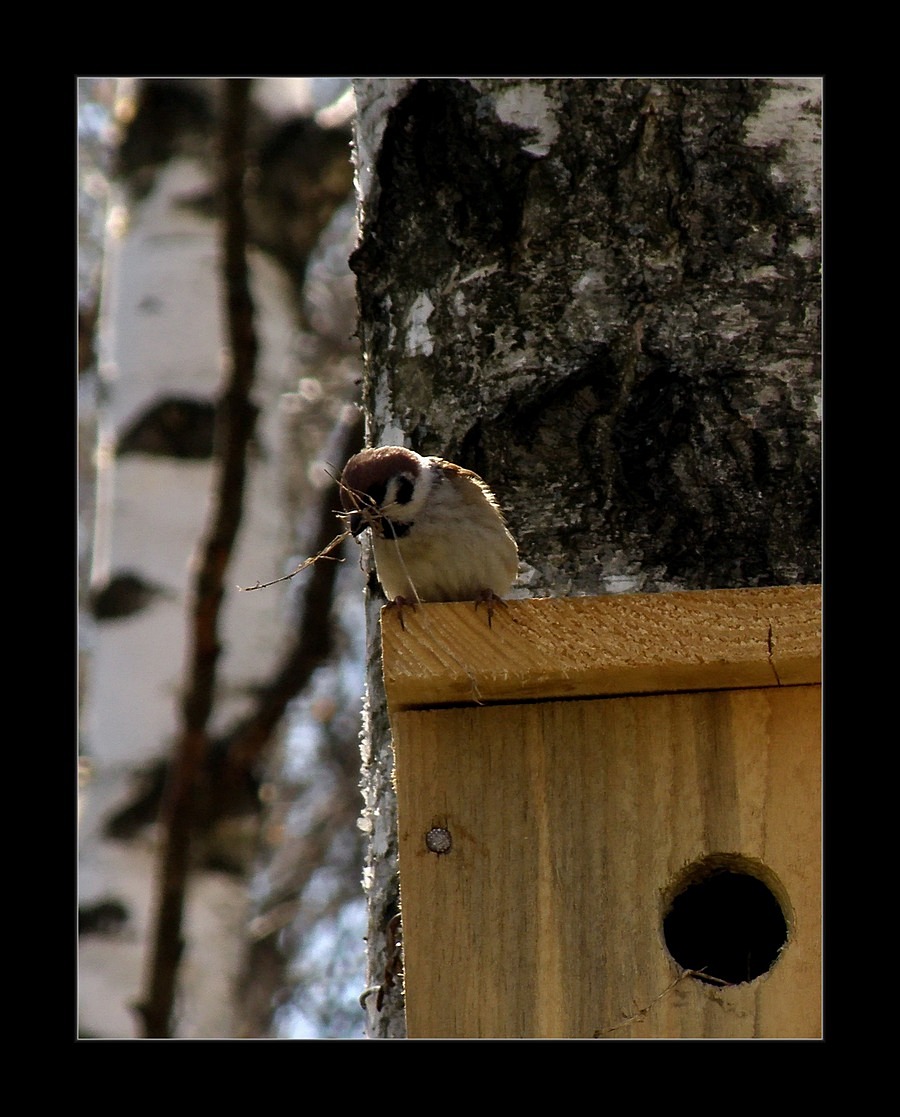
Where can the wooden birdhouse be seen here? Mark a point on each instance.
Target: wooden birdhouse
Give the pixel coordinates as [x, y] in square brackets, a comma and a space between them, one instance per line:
[609, 815]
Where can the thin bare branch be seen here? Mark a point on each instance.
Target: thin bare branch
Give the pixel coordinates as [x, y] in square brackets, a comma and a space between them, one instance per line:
[235, 422]
[325, 553]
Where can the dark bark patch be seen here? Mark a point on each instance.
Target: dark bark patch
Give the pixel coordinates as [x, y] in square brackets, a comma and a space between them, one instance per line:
[469, 184]
[705, 487]
[175, 427]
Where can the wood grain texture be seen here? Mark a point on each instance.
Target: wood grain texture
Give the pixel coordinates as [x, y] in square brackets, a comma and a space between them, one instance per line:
[571, 823]
[585, 646]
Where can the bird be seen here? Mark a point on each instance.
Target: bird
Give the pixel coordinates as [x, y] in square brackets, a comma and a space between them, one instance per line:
[438, 533]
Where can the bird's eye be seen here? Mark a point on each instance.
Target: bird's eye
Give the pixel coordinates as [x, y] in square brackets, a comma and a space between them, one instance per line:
[377, 493]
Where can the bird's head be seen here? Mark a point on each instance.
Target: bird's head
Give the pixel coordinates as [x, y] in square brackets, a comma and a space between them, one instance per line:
[385, 488]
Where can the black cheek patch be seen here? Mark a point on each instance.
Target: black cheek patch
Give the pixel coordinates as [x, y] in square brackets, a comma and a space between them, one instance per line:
[404, 489]
[391, 530]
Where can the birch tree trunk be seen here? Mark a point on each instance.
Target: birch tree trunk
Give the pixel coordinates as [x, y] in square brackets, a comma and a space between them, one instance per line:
[603, 296]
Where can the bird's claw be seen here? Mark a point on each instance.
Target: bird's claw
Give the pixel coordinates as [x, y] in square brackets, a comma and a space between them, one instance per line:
[401, 603]
[489, 599]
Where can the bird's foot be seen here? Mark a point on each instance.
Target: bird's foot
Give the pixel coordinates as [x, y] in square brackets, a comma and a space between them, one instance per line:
[401, 603]
[490, 600]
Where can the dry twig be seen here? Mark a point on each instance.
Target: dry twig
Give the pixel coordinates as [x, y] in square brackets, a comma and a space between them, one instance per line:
[324, 553]
[643, 1012]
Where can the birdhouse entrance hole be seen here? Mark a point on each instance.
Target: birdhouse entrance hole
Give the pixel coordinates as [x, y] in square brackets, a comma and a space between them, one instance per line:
[725, 921]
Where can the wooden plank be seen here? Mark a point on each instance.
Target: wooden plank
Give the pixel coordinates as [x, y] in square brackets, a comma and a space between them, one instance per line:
[584, 646]
[570, 823]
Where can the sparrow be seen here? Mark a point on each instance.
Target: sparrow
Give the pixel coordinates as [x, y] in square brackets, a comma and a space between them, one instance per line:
[437, 530]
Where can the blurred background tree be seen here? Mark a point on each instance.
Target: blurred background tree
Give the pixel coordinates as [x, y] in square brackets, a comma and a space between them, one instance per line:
[220, 853]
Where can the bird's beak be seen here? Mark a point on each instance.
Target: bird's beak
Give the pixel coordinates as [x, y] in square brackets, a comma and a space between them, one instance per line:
[358, 523]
